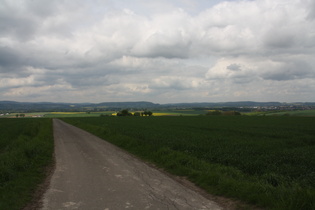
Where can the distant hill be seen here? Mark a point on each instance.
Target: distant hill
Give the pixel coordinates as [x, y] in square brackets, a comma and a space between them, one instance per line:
[13, 106]
[140, 105]
[225, 104]
[50, 106]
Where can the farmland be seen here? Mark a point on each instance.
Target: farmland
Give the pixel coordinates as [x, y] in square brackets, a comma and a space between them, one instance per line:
[104, 113]
[158, 112]
[265, 161]
[26, 147]
[295, 113]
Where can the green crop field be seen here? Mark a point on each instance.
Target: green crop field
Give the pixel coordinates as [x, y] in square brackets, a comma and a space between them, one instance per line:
[295, 113]
[265, 161]
[26, 148]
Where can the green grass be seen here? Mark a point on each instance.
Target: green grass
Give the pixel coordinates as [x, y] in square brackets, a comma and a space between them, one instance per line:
[305, 113]
[295, 113]
[26, 147]
[179, 112]
[76, 114]
[265, 161]
[58, 114]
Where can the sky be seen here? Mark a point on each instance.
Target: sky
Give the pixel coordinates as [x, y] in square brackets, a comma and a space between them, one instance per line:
[162, 51]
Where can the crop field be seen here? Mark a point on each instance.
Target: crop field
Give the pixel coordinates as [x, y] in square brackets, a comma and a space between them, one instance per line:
[264, 161]
[175, 112]
[26, 148]
[180, 112]
[296, 113]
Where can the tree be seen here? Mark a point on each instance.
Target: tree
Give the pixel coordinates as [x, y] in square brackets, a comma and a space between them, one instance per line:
[231, 113]
[124, 112]
[147, 113]
[215, 112]
[137, 114]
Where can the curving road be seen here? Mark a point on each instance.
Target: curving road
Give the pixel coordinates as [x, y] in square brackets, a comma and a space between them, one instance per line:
[93, 174]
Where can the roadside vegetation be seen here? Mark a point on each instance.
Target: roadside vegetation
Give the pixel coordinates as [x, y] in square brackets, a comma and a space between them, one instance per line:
[264, 161]
[26, 148]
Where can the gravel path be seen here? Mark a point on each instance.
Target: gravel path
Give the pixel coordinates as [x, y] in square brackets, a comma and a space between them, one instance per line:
[93, 174]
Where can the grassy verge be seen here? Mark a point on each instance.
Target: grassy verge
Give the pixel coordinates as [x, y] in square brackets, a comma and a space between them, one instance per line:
[265, 161]
[26, 148]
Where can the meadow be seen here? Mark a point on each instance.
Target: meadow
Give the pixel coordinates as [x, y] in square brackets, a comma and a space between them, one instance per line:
[26, 148]
[264, 161]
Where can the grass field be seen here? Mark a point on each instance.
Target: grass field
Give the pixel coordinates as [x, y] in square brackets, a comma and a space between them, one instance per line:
[306, 113]
[181, 112]
[295, 113]
[26, 147]
[265, 161]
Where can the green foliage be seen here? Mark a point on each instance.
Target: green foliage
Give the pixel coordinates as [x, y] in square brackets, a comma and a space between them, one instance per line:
[267, 161]
[147, 113]
[214, 112]
[137, 114]
[26, 148]
[218, 112]
[124, 112]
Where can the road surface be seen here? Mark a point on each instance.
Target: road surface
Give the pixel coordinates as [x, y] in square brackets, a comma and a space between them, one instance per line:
[93, 174]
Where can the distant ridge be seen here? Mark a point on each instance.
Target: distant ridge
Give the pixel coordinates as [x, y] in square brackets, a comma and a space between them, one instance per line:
[52, 106]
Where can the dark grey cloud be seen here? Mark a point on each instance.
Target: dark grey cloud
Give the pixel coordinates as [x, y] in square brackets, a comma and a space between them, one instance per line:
[16, 21]
[292, 70]
[234, 67]
[9, 58]
[280, 39]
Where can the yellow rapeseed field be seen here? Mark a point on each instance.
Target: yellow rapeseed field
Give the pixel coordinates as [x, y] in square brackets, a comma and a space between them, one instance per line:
[67, 112]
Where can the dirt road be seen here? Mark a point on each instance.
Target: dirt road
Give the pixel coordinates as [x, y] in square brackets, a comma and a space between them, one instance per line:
[93, 174]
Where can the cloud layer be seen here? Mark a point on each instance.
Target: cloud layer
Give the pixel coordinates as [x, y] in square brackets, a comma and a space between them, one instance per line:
[162, 51]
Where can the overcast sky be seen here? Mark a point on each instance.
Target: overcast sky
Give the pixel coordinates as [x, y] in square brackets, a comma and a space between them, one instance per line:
[163, 51]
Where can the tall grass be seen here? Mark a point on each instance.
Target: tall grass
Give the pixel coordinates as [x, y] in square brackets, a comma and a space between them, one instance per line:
[26, 147]
[266, 161]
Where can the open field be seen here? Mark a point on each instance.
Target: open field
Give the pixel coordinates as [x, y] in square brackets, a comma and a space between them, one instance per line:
[180, 112]
[26, 147]
[295, 113]
[109, 113]
[306, 113]
[266, 161]
[57, 114]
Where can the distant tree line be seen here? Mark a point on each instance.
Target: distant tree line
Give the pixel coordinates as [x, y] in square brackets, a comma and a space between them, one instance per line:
[20, 115]
[226, 113]
[125, 112]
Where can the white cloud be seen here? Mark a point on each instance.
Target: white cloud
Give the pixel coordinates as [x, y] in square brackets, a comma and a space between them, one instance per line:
[157, 50]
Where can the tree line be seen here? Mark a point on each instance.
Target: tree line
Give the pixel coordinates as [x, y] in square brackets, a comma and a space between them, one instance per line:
[125, 112]
[217, 112]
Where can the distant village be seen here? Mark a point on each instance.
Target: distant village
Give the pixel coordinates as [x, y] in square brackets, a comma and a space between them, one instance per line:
[280, 108]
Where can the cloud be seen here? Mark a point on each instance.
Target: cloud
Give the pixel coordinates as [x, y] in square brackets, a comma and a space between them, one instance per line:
[9, 58]
[252, 69]
[157, 50]
[234, 67]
